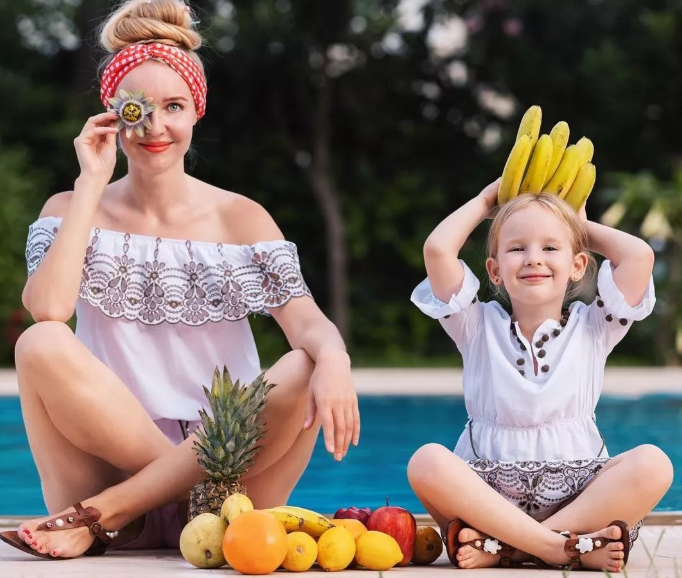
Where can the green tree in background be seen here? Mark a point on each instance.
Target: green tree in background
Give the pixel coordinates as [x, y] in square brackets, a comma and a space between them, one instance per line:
[361, 124]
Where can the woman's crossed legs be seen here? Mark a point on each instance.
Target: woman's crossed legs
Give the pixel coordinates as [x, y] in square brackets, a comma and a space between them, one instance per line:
[93, 442]
[627, 488]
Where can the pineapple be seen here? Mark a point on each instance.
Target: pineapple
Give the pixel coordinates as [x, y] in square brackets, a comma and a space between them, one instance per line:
[226, 443]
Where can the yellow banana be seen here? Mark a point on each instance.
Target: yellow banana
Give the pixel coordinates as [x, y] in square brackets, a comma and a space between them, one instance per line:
[530, 124]
[538, 167]
[564, 176]
[514, 169]
[299, 519]
[234, 505]
[559, 135]
[582, 186]
[586, 149]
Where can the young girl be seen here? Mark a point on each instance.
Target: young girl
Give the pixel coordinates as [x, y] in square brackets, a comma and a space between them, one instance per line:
[531, 459]
[162, 270]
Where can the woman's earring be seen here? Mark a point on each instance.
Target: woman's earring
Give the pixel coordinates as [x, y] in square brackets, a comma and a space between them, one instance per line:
[575, 278]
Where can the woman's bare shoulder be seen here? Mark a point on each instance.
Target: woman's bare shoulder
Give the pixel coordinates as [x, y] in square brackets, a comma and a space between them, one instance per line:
[57, 205]
[247, 221]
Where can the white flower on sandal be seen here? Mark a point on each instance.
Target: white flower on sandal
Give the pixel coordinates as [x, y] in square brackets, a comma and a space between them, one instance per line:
[491, 546]
[585, 545]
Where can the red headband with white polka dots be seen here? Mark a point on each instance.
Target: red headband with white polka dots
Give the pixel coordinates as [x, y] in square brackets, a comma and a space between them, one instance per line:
[135, 54]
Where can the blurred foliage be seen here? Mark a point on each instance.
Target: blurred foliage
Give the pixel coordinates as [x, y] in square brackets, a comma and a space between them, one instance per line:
[426, 96]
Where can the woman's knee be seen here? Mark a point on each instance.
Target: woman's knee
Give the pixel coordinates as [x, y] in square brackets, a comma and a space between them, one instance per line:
[653, 467]
[294, 369]
[41, 342]
[424, 465]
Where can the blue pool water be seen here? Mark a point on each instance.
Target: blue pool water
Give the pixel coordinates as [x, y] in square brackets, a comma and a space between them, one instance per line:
[392, 429]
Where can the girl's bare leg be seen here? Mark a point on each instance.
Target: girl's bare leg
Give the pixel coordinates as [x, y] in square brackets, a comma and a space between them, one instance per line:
[170, 475]
[627, 488]
[453, 490]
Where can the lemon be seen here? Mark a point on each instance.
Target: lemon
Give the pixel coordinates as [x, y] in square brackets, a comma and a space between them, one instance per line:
[335, 549]
[377, 551]
[302, 552]
[233, 506]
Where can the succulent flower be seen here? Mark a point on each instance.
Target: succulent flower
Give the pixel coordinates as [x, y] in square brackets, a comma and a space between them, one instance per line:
[133, 110]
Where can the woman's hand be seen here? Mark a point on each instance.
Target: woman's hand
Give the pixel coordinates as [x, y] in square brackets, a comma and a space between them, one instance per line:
[96, 146]
[333, 397]
[489, 197]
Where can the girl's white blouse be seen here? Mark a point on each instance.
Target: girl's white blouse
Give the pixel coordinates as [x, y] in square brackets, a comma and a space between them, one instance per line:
[549, 416]
[162, 314]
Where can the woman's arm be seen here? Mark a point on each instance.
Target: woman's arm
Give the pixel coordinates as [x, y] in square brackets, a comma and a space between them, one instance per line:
[631, 257]
[442, 246]
[51, 293]
[334, 400]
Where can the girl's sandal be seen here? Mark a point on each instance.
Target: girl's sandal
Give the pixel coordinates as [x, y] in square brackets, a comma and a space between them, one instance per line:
[575, 547]
[82, 517]
[484, 544]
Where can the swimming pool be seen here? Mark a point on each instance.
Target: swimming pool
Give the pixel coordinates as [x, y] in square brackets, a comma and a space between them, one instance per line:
[392, 429]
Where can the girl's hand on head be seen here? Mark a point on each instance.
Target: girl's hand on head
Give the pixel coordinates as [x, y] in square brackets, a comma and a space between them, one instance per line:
[334, 402]
[489, 196]
[96, 147]
[582, 214]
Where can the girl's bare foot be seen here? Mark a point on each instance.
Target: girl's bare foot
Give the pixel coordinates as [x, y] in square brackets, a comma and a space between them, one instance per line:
[469, 557]
[609, 557]
[59, 543]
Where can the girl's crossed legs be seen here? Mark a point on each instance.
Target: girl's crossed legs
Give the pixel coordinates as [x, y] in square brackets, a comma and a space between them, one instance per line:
[627, 488]
[91, 437]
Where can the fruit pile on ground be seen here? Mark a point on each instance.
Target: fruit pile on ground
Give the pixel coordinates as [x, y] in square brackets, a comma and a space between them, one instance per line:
[261, 541]
[547, 163]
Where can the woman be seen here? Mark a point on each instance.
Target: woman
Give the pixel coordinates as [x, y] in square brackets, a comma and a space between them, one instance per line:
[162, 270]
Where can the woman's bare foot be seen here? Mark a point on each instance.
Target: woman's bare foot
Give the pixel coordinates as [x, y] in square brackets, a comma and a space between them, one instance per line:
[609, 557]
[59, 543]
[469, 557]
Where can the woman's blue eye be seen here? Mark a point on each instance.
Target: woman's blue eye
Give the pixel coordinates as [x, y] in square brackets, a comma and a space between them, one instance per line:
[174, 107]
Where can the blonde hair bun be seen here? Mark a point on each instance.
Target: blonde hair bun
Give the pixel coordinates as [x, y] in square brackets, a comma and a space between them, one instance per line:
[138, 21]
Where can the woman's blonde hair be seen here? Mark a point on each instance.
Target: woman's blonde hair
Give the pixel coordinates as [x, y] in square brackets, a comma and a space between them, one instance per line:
[144, 21]
[567, 215]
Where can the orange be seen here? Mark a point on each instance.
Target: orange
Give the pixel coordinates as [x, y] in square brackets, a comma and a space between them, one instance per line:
[255, 543]
[355, 527]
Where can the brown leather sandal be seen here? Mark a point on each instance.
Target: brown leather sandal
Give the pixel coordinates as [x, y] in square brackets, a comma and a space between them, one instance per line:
[82, 517]
[483, 544]
[576, 546]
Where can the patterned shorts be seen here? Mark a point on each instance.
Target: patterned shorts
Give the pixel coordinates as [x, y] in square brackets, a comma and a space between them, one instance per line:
[541, 488]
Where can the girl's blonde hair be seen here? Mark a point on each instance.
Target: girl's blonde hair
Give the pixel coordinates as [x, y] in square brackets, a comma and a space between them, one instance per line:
[567, 215]
[144, 21]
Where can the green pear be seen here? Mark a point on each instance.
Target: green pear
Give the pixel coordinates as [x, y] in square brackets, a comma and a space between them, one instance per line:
[201, 541]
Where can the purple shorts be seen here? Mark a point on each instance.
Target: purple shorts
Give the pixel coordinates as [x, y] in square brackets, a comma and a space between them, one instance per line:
[162, 526]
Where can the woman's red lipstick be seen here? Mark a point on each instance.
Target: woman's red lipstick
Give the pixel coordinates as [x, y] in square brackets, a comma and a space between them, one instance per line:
[155, 147]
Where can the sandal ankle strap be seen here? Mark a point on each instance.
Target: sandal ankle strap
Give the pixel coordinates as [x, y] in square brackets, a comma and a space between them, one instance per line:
[82, 517]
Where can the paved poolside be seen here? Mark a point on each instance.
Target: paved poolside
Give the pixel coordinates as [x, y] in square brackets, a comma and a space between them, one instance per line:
[625, 381]
[665, 562]
[663, 559]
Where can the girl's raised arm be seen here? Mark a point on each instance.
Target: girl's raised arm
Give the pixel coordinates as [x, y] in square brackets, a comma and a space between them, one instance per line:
[442, 246]
[632, 258]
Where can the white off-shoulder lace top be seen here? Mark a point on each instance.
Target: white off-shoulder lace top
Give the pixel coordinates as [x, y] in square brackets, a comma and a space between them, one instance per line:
[164, 313]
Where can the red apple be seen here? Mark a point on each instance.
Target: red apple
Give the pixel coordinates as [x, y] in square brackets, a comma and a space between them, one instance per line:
[354, 513]
[400, 524]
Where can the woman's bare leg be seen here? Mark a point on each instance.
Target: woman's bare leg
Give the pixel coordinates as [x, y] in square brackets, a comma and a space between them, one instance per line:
[627, 488]
[453, 490]
[84, 426]
[172, 475]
